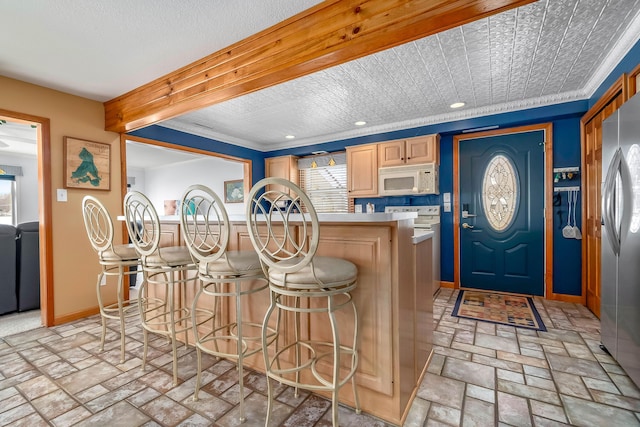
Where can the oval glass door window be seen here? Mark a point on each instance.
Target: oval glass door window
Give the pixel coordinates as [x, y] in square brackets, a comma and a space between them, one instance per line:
[633, 159]
[500, 192]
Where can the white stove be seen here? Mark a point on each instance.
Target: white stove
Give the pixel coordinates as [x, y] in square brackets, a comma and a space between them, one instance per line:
[428, 216]
[428, 220]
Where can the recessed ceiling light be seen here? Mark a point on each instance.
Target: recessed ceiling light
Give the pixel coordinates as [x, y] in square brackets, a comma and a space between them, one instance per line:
[457, 105]
[360, 123]
[290, 136]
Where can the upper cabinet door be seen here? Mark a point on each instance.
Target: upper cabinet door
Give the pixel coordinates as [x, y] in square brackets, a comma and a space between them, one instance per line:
[362, 171]
[281, 167]
[391, 153]
[421, 149]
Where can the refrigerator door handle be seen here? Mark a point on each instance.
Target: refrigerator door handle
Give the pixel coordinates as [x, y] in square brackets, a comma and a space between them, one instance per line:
[608, 208]
[627, 199]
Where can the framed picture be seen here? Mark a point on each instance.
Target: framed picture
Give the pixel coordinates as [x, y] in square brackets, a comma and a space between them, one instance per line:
[234, 191]
[87, 164]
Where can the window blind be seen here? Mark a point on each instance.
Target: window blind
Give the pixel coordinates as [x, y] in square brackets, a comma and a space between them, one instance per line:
[10, 170]
[324, 179]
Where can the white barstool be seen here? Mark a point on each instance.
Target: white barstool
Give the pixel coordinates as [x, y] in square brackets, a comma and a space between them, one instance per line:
[116, 260]
[225, 275]
[302, 283]
[165, 269]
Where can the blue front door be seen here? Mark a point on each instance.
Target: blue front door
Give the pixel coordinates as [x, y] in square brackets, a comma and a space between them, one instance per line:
[502, 213]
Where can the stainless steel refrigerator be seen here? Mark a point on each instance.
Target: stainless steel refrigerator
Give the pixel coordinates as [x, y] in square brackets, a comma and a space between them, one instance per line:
[620, 281]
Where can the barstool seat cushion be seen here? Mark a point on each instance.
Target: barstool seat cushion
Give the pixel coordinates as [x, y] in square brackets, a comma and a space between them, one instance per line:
[120, 253]
[331, 272]
[241, 263]
[169, 256]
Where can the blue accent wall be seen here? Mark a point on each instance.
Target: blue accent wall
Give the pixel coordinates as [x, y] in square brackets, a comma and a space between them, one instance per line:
[566, 152]
[567, 253]
[628, 63]
[160, 133]
[564, 117]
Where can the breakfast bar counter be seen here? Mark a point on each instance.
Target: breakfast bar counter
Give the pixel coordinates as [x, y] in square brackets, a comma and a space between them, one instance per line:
[393, 297]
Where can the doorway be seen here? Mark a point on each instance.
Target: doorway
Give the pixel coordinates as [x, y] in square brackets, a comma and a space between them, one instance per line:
[503, 238]
[44, 211]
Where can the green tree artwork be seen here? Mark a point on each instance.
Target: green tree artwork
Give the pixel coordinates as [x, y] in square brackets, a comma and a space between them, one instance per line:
[87, 171]
[87, 164]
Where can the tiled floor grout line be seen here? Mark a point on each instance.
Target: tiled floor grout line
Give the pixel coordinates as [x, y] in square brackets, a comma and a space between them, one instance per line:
[93, 351]
[547, 378]
[546, 319]
[571, 327]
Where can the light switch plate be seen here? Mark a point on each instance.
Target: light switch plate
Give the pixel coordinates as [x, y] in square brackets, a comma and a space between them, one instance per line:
[62, 195]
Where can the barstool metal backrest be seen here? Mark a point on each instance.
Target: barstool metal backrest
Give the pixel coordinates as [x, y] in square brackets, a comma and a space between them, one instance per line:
[271, 205]
[205, 224]
[143, 223]
[98, 224]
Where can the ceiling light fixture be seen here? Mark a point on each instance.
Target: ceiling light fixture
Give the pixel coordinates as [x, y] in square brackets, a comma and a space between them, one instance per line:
[360, 123]
[457, 105]
[290, 136]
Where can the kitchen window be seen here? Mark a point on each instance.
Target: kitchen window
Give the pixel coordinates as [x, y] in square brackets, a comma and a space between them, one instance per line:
[8, 199]
[324, 179]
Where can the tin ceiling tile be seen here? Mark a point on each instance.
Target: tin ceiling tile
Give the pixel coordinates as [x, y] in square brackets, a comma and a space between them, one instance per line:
[542, 53]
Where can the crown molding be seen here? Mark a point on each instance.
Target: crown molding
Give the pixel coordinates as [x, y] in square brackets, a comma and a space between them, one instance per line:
[389, 127]
[629, 38]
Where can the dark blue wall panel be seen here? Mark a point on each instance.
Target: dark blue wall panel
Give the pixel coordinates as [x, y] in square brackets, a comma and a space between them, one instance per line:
[566, 152]
[628, 63]
[567, 253]
[160, 133]
[566, 128]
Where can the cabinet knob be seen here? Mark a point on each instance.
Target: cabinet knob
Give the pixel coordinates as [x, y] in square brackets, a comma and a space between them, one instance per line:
[408, 158]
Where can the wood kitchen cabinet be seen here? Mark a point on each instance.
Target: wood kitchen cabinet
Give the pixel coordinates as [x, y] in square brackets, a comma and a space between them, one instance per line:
[362, 171]
[169, 233]
[281, 167]
[421, 149]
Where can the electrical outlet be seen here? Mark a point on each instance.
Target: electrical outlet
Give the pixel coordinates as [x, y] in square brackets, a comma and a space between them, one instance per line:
[103, 281]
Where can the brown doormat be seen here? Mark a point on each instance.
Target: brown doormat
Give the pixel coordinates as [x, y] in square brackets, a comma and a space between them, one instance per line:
[503, 309]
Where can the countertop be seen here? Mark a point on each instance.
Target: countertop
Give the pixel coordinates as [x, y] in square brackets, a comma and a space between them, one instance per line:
[422, 237]
[327, 217]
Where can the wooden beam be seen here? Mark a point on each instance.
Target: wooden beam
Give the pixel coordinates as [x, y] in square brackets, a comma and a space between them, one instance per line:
[330, 33]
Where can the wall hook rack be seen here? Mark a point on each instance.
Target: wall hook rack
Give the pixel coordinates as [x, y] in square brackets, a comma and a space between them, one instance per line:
[571, 188]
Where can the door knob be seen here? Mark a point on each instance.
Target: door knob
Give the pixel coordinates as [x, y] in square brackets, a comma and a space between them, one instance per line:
[465, 225]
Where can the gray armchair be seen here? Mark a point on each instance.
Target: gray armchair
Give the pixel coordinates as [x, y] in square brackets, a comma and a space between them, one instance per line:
[28, 272]
[8, 263]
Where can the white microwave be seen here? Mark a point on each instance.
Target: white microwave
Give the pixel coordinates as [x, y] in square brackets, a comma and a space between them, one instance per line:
[408, 180]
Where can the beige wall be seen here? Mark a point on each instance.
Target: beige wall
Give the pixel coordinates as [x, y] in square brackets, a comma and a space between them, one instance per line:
[74, 263]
